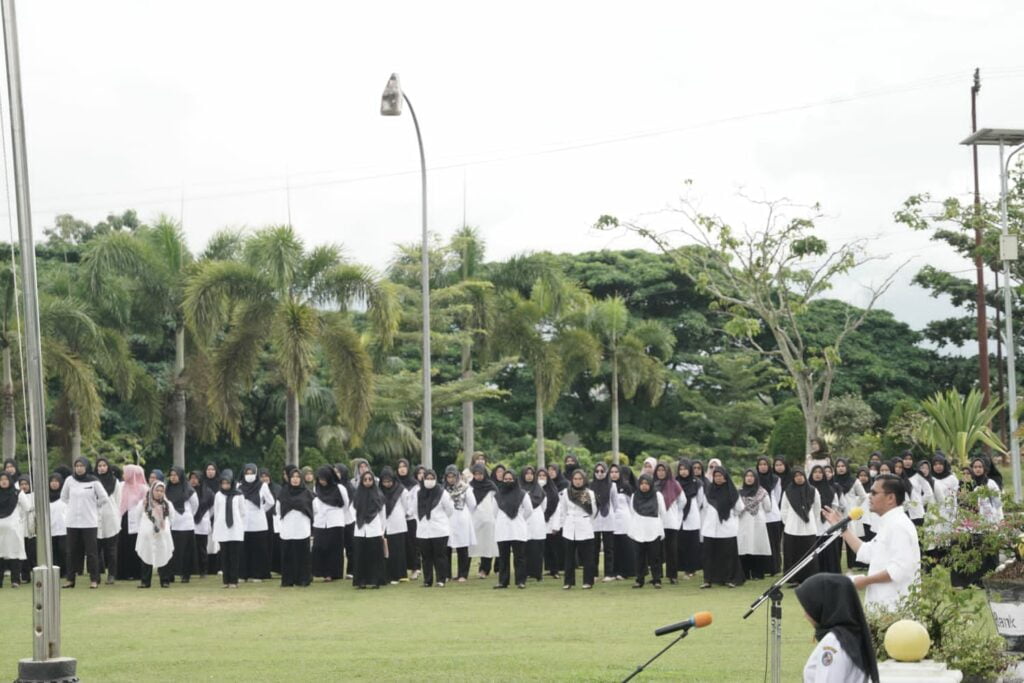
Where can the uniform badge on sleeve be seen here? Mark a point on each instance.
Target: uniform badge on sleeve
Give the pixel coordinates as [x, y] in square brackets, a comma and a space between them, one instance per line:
[827, 655]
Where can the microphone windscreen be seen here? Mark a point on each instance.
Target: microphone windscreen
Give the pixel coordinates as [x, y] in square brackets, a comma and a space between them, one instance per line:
[856, 513]
[701, 619]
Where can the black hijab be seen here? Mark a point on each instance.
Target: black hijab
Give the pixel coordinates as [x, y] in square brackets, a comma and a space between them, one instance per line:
[551, 491]
[800, 496]
[17, 472]
[993, 472]
[178, 494]
[571, 467]
[8, 496]
[495, 477]
[622, 484]
[510, 496]
[646, 504]
[298, 498]
[832, 602]
[824, 487]
[205, 497]
[844, 481]
[580, 495]
[722, 496]
[83, 478]
[330, 494]
[211, 483]
[602, 489]
[766, 481]
[926, 477]
[484, 486]
[108, 479]
[786, 475]
[532, 488]
[408, 481]
[251, 491]
[701, 478]
[231, 492]
[55, 495]
[368, 501]
[393, 494]
[940, 457]
[981, 481]
[426, 498]
[560, 481]
[691, 485]
[342, 475]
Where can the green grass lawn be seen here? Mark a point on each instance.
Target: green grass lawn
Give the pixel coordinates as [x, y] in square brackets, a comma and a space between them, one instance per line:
[262, 632]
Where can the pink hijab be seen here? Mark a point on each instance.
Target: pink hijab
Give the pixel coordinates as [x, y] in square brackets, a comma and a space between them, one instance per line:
[134, 488]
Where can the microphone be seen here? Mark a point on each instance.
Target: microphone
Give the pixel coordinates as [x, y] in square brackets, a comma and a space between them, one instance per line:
[855, 514]
[699, 620]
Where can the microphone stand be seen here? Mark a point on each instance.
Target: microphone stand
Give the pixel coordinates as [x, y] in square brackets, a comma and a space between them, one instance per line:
[663, 651]
[774, 593]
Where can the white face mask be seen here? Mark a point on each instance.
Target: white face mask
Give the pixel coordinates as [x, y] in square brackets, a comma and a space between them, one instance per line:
[542, 482]
[429, 483]
[250, 478]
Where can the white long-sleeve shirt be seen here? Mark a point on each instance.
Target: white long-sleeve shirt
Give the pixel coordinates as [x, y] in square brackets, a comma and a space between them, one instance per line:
[110, 514]
[713, 527]
[222, 533]
[621, 511]
[536, 526]
[830, 664]
[921, 496]
[83, 500]
[692, 519]
[397, 522]
[894, 549]
[185, 521]
[372, 529]
[58, 522]
[256, 515]
[295, 526]
[946, 490]
[794, 525]
[330, 516]
[672, 518]
[513, 528]
[991, 507]
[437, 525]
[775, 513]
[576, 524]
[607, 522]
[643, 529]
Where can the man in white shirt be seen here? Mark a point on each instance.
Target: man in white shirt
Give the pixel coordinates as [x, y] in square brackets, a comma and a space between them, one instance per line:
[894, 555]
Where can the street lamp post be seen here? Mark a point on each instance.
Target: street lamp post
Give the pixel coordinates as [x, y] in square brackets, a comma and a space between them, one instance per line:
[391, 105]
[1007, 254]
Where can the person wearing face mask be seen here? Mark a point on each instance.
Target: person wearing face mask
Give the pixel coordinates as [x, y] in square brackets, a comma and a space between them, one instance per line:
[258, 501]
[58, 524]
[461, 536]
[85, 497]
[604, 521]
[511, 531]
[433, 508]
[482, 508]
[577, 507]
[154, 544]
[533, 483]
[229, 510]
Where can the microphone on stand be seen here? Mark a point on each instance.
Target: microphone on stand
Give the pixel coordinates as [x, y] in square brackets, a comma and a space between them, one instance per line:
[698, 620]
[855, 514]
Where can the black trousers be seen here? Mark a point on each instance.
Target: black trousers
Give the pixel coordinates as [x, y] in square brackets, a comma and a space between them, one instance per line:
[296, 569]
[554, 553]
[30, 560]
[535, 558]
[396, 561]
[510, 552]
[485, 564]
[368, 569]
[670, 551]
[107, 548]
[329, 552]
[793, 548]
[648, 556]
[184, 556]
[230, 561]
[605, 540]
[146, 574]
[83, 541]
[462, 569]
[586, 553]
[59, 547]
[202, 557]
[755, 566]
[775, 541]
[689, 551]
[434, 556]
[412, 551]
[14, 566]
[625, 556]
[256, 559]
[350, 534]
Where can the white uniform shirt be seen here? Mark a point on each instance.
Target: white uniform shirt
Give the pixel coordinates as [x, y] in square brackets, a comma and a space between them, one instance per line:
[397, 522]
[28, 518]
[12, 536]
[185, 521]
[256, 515]
[621, 511]
[236, 532]
[775, 513]
[991, 507]
[921, 496]
[692, 519]
[372, 529]
[576, 524]
[752, 537]
[794, 524]
[513, 528]
[536, 526]
[482, 514]
[945, 491]
[437, 525]
[644, 529]
[673, 514]
[329, 516]
[83, 500]
[829, 664]
[110, 514]
[461, 523]
[295, 526]
[607, 522]
[58, 523]
[713, 527]
[154, 547]
[894, 549]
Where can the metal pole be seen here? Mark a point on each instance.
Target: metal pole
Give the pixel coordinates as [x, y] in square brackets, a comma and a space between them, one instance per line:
[979, 266]
[426, 454]
[1011, 372]
[46, 661]
[1001, 415]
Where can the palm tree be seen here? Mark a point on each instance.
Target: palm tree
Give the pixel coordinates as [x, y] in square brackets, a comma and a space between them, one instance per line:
[540, 329]
[636, 353]
[277, 297]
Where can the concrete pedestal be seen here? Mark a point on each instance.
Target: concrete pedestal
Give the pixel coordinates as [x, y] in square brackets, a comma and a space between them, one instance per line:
[927, 671]
[58, 670]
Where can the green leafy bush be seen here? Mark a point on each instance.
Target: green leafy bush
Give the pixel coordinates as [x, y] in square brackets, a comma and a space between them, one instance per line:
[788, 437]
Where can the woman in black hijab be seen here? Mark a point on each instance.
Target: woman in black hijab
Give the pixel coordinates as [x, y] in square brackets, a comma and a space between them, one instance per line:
[295, 515]
[625, 547]
[689, 546]
[368, 539]
[772, 483]
[720, 528]
[535, 524]
[184, 505]
[801, 508]
[330, 513]
[408, 481]
[110, 519]
[257, 501]
[433, 507]
[396, 527]
[555, 475]
[210, 479]
[350, 527]
[58, 529]
[604, 522]
[844, 640]
[554, 552]
[202, 520]
[829, 558]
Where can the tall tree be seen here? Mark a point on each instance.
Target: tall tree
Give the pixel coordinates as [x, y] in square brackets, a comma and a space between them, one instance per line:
[296, 303]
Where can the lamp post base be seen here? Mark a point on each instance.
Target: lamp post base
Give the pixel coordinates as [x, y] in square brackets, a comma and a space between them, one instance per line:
[58, 670]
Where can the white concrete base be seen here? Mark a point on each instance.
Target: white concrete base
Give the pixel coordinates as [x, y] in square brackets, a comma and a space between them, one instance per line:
[1015, 674]
[917, 672]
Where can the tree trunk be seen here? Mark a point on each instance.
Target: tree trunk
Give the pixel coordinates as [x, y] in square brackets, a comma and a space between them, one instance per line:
[178, 408]
[615, 410]
[468, 445]
[540, 429]
[8, 402]
[76, 436]
[291, 428]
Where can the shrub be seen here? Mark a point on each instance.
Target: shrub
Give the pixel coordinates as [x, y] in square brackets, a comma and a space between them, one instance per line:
[788, 437]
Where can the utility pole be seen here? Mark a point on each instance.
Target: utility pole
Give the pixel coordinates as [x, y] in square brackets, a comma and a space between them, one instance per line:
[979, 266]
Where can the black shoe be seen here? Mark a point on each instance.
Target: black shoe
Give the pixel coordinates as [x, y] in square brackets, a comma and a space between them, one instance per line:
[186, 579]
[499, 586]
[673, 581]
[143, 585]
[426, 585]
[638, 584]
[165, 584]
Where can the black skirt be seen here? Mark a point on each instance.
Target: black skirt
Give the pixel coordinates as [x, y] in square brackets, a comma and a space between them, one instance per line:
[775, 540]
[396, 562]
[722, 561]
[794, 548]
[688, 547]
[328, 545]
[625, 556]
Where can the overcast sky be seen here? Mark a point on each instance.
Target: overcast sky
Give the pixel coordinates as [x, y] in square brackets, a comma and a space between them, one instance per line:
[537, 117]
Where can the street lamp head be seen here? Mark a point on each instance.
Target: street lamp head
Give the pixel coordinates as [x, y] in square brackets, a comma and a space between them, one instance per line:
[391, 100]
[996, 136]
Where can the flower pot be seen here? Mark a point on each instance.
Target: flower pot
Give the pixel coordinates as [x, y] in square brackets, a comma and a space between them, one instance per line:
[1006, 600]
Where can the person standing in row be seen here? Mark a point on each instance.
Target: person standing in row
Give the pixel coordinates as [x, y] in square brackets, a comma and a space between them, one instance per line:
[153, 543]
[256, 549]
[533, 482]
[647, 529]
[852, 495]
[604, 521]
[341, 470]
[946, 488]
[510, 530]
[202, 522]
[671, 492]
[395, 527]
[211, 482]
[433, 508]
[84, 496]
[719, 529]
[554, 545]
[409, 482]
[368, 536]
[577, 510]
[13, 504]
[229, 510]
[58, 524]
[28, 528]
[801, 508]
[771, 481]
[754, 544]
[461, 537]
[828, 494]
[184, 506]
[330, 516]
[625, 550]
[690, 552]
[109, 527]
[482, 510]
[134, 490]
[295, 512]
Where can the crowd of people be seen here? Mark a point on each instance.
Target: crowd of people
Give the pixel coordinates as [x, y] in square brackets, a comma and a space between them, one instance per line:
[664, 522]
